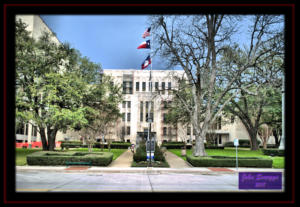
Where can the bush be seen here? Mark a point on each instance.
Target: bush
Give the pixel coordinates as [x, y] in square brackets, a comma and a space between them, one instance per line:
[140, 154]
[169, 145]
[119, 145]
[145, 164]
[273, 152]
[222, 161]
[158, 154]
[242, 143]
[60, 158]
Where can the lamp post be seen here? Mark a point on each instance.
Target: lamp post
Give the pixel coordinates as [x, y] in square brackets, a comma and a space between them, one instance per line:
[282, 140]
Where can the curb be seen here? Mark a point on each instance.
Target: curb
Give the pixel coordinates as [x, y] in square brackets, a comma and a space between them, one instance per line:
[203, 171]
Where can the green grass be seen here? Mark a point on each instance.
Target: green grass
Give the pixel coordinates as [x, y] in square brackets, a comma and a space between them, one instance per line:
[278, 162]
[116, 152]
[22, 153]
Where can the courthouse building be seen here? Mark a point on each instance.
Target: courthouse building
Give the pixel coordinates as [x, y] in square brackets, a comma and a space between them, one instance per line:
[136, 88]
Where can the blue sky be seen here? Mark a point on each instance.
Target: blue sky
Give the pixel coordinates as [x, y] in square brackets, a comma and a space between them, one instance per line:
[111, 40]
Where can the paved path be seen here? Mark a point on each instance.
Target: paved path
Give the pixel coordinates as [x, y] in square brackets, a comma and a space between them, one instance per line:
[123, 161]
[175, 161]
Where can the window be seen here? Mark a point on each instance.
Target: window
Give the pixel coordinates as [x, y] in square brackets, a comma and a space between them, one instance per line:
[151, 117]
[150, 86]
[169, 85]
[20, 130]
[188, 131]
[128, 116]
[220, 139]
[124, 104]
[164, 117]
[129, 104]
[127, 87]
[165, 131]
[170, 131]
[141, 106]
[144, 86]
[194, 131]
[156, 86]
[137, 86]
[219, 123]
[123, 131]
[147, 105]
[34, 131]
[128, 130]
[123, 116]
[141, 116]
[163, 87]
[26, 129]
[165, 104]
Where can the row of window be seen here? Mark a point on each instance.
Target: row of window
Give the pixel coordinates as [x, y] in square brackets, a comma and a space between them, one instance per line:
[127, 86]
[23, 129]
[168, 131]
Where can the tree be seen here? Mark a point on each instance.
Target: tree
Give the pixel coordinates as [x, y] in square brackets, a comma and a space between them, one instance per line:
[102, 109]
[49, 87]
[195, 43]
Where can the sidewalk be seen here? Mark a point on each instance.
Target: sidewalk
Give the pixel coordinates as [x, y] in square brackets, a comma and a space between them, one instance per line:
[123, 161]
[175, 161]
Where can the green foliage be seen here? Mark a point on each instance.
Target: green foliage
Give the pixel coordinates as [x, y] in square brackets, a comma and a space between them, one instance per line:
[273, 152]
[158, 154]
[140, 154]
[222, 161]
[242, 143]
[60, 158]
[154, 164]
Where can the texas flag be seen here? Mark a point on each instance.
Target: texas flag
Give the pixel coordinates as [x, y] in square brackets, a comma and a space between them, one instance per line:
[144, 45]
[146, 33]
[146, 62]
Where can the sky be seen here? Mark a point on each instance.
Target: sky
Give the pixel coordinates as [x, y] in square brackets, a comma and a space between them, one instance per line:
[110, 40]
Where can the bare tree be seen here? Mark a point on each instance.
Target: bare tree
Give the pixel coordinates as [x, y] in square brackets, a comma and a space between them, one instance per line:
[195, 43]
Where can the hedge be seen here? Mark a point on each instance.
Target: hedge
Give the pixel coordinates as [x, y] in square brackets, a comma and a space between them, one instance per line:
[180, 146]
[60, 158]
[222, 161]
[154, 164]
[273, 152]
[242, 143]
[67, 145]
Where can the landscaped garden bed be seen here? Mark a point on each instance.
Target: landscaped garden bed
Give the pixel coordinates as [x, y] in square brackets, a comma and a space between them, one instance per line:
[61, 158]
[273, 152]
[223, 161]
[278, 161]
[77, 144]
[140, 157]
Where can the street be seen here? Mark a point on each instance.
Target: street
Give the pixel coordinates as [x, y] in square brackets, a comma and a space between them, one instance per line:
[51, 181]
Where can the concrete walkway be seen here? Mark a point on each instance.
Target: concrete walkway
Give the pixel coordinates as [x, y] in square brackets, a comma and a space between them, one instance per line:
[123, 161]
[175, 161]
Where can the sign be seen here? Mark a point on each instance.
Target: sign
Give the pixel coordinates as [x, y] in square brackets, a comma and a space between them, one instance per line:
[152, 146]
[152, 155]
[236, 142]
[260, 180]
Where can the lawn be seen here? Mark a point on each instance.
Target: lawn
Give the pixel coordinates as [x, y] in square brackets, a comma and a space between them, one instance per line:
[278, 162]
[22, 153]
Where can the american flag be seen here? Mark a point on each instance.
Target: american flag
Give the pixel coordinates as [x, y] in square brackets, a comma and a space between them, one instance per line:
[147, 32]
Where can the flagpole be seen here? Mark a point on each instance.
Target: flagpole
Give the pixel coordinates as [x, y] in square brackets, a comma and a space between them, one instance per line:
[149, 105]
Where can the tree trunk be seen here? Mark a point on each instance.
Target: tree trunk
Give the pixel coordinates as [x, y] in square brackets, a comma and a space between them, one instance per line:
[199, 149]
[253, 137]
[276, 137]
[51, 139]
[43, 138]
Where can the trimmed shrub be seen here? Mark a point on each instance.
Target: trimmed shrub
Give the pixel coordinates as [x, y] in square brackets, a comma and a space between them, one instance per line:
[140, 154]
[67, 145]
[154, 164]
[273, 152]
[242, 143]
[173, 145]
[60, 158]
[158, 154]
[222, 161]
[214, 147]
